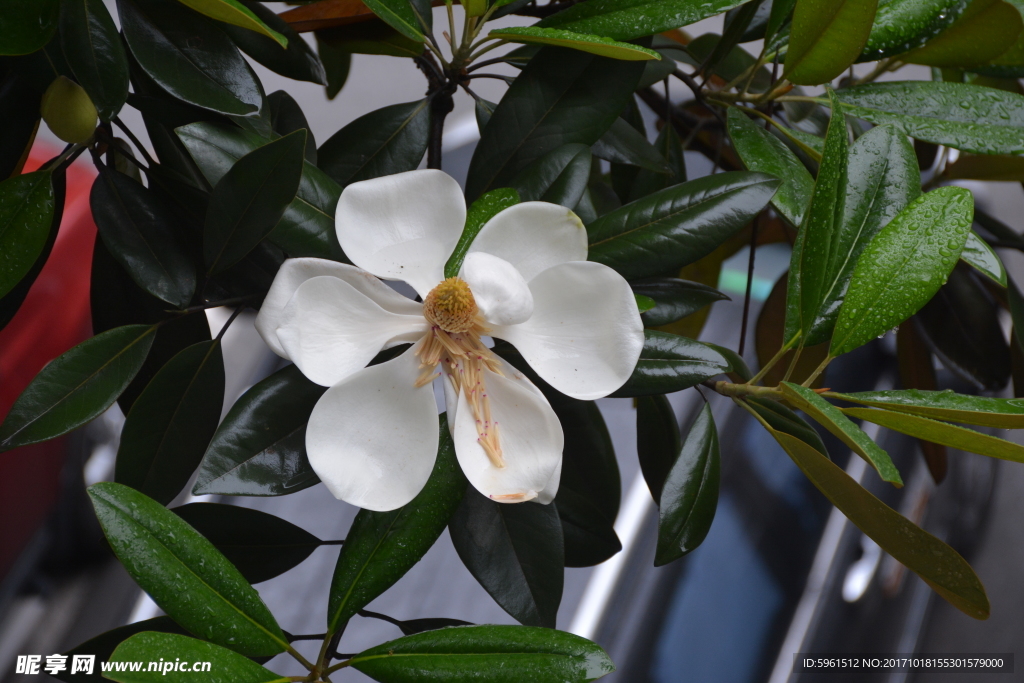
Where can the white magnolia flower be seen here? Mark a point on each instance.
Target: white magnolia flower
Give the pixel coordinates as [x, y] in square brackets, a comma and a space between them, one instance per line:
[373, 436]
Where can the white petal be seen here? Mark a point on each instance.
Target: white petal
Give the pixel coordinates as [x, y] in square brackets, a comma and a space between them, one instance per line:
[451, 402]
[501, 293]
[372, 439]
[531, 441]
[330, 329]
[585, 335]
[295, 271]
[402, 226]
[551, 489]
[533, 236]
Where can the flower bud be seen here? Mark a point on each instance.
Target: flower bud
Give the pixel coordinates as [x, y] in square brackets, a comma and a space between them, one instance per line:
[68, 111]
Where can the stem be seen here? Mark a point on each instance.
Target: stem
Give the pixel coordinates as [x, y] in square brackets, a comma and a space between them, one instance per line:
[440, 106]
[341, 542]
[746, 407]
[810, 151]
[775, 359]
[793, 362]
[485, 50]
[820, 369]
[299, 658]
[880, 68]
[223, 330]
[743, 390]
[135, 141]
[377, 615]
[213, 304]
[313, 636]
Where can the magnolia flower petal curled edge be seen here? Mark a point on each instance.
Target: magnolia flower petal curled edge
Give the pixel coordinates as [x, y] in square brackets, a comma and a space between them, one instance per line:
[372, 439]
[500, 292]
[402, 226]
[331, 330]
[295, 271]
[585, 335]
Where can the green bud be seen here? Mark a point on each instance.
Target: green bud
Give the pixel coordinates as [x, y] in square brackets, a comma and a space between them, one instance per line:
[475, 8]
[68, 111]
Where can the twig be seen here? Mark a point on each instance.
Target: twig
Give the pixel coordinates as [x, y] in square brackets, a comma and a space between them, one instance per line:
[135, 141]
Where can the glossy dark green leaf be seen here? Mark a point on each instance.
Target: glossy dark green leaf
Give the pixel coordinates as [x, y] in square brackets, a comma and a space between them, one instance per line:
[670, 147]
[337, 64]
[628, 19]
[623, 144]
[678, 225]
[19, 109]
[657, 441]
[170, 424]
[224, 664]
[409, 627]
[968, 117]
[979, 255]
[736, 23]
[374, 37]
[480, 211]
[184, 574]
[140, 232]
[737, 63]
[189, 57]
[940, 566]
[690, 495]
[882, 179]
[260, 447]
[782, 11]
[558, 177]
[235, 13]
[286, 117]
[249, 200]
[260, 545]
[764, 152]
[588, 535]
[562, 97]
[26, 214]
[27, 26]
[515, 551]
[902, 25]
[670, 363]
[674, 299]
[486, 654]
[782, 419]
[399, 15]
[985, 30]
[827, 36]
[94, 51]
[298, 61]
[903, 266]
[598, 45]
[657, 70]
[382, 546]
[103, 645]
[77, 386]
[389, 140]
[1004, 413]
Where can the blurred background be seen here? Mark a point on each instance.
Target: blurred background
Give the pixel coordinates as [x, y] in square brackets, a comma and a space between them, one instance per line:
[780, 572]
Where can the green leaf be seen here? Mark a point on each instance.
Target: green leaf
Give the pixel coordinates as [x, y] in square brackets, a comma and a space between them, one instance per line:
[589, 536]
[297, 61]
[188, 57]
[1004, 413]
[782, 419]
[235, 13]
[940, 566]
[980, 256]
[670, 147]
[168, 649]
[735, 64]
[515, 551]
[690, 496]
[286, 117]
[260, 447]
[140, 232]
[644, 303]
[832, 419]
[674, 299]
[827, 36]
[260, 545]
[103, 645]
[903, 266]
[171, 423]
[250, 199]
[337, 64]
[985, 30]
[399, 15]
[482, 210]
[761, 151]
[20, 111]
[678, 225]
[94, 51]
[670, 363]
[558, 177]
[882, 179]
[628, 19]
[184, 574]
[77, 386]
[382, 546]
[374, 37]
[971, 118]
[561, 97]
[625, 145]
[26, 214]
[383, 142]
[902, 25]
[657, 441]
[27, 26]
[604, 47]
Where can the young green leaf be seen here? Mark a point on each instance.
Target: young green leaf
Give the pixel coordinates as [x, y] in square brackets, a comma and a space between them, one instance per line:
[983, 258]
[902, 25]
[27, 26]
[168, 649]
[184, 574]
[77, 386]
[235, 13]
[399, 15]
[657, 441]
[827, 36]
[26, 215]
[486, 654]
[482, 210]
[985, 30]
[95, 53]
[690, 495]
[903, 266]
[670, 363]
[678, 225]
[171, 423]
[558, 177]
[382, 546]
[598, 45]
[761, 151]
[832, 419]
[260, 545]
[940, 566]
[250, 199]
[515, 551]
[628, 19]
[297, 61]
[1004, 413]
[674, 299]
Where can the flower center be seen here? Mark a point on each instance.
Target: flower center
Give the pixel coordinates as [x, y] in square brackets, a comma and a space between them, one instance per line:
[451, 306]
